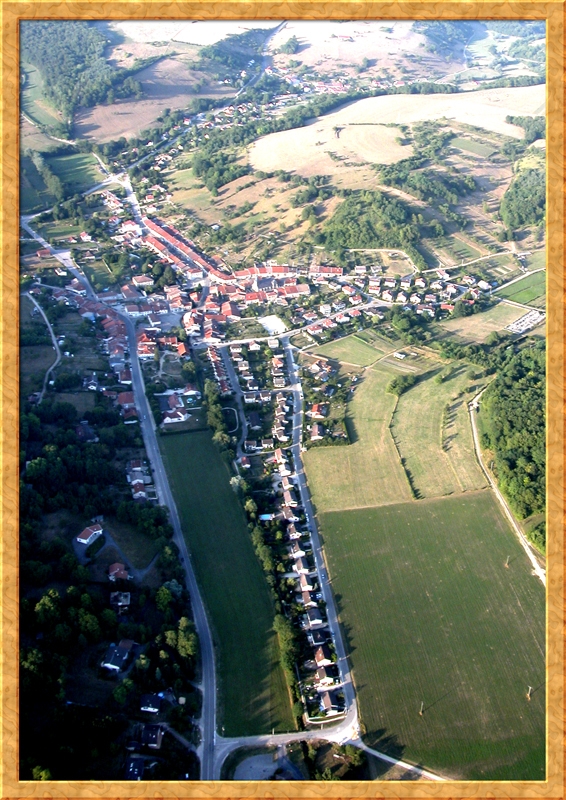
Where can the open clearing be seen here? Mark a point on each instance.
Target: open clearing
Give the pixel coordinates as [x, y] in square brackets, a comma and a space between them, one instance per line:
[367, 472]
[471, 146]
[430, 614]
[530, 288]
[478, 327]
[300, 147]
[167, 84]
[76, 172]
[436, 444]
[351, 350]
[252, 689]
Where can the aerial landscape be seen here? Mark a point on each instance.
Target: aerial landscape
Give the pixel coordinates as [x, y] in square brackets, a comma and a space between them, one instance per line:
[282, 400]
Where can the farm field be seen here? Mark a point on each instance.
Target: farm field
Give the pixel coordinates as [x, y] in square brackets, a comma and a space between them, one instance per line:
[367, 472]
[437, 446]
[169, 83]
[299, 146]
[253, 693]
[33, 102]
[431, 615]
[478, 327]
[530, 288]
[471, 146]
[33, 192]
[76, 172]
[351, 350]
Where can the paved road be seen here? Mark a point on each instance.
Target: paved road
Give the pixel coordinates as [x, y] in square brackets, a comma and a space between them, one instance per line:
[55, 345]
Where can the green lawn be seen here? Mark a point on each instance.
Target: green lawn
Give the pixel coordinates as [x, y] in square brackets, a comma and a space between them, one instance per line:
[33, 102]
[77, 172]
[351, 350]
[431, 426]
[430, 614]
[367, 472]
[33, 192]
[472, 146]
[529, 288]
[253, 693]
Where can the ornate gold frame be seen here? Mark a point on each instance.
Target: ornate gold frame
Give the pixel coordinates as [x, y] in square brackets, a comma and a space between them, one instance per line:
[11, 12]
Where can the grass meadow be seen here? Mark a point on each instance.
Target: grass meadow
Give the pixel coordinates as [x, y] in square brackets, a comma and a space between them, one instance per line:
[76, 172]
[431, 427]
[471, 146]
[253, 696]
[478, 327]
[431, 615]
[531, 287]
[367, 472]
[351, 350]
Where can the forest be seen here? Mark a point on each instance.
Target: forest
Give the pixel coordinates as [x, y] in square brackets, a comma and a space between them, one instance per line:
[432, 185]
[534, 127]
[513, 421]
[371, 219]
[70, 58]
[524, 202]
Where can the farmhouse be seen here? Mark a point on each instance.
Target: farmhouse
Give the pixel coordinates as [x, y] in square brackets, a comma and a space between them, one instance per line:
[90, 534]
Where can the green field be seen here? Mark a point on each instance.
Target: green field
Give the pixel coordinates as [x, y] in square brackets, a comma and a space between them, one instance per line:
[437, 446]
[478, 327]
[33, 192]
[459, 250]
[76, 172]
[253, 693]
[430, 614]
[529, 288]
[367, 472]
[351, 350]
[33, 102]
[472, 146]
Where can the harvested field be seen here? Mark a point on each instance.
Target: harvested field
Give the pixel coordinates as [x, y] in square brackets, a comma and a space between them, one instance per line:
[317, 149]
[478, 327]
[431, 426]
[299, 147]
[431, 615]
[367, 472]
[167, 84]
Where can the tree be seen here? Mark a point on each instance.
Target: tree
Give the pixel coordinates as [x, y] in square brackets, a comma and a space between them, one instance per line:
[41, 774]
[163, 599]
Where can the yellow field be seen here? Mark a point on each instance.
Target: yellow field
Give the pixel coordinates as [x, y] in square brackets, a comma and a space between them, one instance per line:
[367, 472]
[421, 432]
[478, 327]
[301, 148]
[308, 149]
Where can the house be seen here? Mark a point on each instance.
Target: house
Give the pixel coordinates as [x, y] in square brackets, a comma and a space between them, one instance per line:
[296, 550]
[249, 397]
[120, 599]
[245, 462]
[301, 567]
[322, 656]
[306, 584]
[318, 411]
[134, 769]
[293, 533]
[90, 534]
[126, 400]
[117, 655]
[289, 499]
[152, 736]
[289, 515]
[308, 600]
[316, 637]
[323, 678]
[150, 703]
[171, 417]
[329, 704]
[254, 421]
[117, 572]
[314, 619]
[317, 433]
